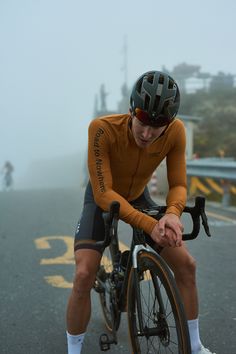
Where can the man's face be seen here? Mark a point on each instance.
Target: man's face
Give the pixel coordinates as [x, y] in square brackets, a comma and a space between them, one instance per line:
[144, 135]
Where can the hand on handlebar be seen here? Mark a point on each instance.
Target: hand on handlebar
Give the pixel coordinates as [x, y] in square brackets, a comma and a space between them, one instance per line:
[168, 231]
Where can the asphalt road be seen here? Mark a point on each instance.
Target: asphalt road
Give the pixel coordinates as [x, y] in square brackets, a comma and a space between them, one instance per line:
[36, 272]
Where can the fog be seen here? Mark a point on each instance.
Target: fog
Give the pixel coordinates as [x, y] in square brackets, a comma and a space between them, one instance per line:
[54, 56]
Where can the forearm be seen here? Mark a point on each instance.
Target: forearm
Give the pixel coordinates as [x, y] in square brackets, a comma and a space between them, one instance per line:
[128, 213]
[176, 200]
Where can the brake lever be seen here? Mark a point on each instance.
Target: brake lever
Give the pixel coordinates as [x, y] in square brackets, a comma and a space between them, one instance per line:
[205, 222]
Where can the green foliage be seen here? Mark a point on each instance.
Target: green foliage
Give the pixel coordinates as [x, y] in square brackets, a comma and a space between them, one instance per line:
[215, 135]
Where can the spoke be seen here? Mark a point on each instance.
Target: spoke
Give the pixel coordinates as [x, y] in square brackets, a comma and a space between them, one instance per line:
[157, 312]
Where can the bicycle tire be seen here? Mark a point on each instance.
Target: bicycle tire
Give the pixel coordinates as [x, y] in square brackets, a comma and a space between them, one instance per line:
[155, 277]
[110, 311]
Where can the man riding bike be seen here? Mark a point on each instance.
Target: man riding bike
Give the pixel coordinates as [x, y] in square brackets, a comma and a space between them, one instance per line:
[7, 171]
[123, 152]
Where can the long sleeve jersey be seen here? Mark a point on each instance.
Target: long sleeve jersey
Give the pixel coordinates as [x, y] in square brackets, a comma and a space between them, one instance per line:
[119, 170]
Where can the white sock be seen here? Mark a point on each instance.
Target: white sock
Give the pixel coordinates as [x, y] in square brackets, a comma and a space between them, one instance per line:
[74, 343]
[193, 327]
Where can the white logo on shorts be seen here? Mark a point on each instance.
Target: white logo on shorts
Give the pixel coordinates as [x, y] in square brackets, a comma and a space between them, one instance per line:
[78, 227]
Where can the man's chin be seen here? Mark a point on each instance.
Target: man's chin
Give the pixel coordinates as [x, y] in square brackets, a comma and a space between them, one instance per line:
[143, 144]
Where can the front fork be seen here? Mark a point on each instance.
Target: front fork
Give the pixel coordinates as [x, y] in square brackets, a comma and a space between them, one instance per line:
[136, 284]
[136, 251]
[105, 342]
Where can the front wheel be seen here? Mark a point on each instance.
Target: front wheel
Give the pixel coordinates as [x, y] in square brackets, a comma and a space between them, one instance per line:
[156, 317]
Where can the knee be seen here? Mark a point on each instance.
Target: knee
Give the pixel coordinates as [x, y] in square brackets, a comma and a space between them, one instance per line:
[191, 265]
[83, 280]
[186, 272]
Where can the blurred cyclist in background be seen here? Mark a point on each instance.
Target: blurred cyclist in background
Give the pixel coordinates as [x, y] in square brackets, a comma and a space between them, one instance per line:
[7, 180]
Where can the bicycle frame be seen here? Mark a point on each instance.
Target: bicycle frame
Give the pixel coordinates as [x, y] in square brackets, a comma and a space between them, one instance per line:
[136, 247]
[139, 244]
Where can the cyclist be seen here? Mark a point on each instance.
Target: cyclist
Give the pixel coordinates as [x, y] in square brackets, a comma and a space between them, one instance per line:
[123, 152]
[7, 171]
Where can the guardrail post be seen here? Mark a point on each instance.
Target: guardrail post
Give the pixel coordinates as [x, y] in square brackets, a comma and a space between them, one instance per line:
[153, 184]
[226, 198]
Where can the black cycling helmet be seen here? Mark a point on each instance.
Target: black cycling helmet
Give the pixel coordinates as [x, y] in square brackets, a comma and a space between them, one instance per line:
[155, 98]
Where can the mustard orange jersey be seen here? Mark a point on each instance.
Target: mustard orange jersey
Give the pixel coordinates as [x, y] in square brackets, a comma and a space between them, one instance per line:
[119, 170]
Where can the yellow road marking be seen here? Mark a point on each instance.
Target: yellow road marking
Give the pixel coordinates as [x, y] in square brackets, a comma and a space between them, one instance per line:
[44, 243]
[66, 258]
[58, 281]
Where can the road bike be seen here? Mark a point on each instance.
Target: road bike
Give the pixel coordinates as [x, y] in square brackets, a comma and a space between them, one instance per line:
[138, 281]
[7, 182]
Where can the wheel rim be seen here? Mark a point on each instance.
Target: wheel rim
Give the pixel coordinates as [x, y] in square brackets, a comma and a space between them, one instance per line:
[161, 328]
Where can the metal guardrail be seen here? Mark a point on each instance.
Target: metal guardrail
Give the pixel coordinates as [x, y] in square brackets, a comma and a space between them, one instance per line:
[224, 168]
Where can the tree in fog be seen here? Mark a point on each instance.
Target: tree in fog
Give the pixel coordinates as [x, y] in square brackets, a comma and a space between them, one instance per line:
[222, 81]
[215, 135]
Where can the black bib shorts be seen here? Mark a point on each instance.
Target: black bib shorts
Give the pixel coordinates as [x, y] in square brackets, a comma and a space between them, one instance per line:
[90, 227]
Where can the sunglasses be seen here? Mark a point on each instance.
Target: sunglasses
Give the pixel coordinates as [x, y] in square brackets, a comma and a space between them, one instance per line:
[157, 121]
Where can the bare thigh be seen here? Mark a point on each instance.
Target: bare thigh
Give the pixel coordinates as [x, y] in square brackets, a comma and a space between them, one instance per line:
[179, 259]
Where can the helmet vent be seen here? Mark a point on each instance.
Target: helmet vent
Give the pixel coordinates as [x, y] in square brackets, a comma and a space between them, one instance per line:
[156, 103]
[161, 79]
[146, 102]
[150, 79]
[170, 84]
